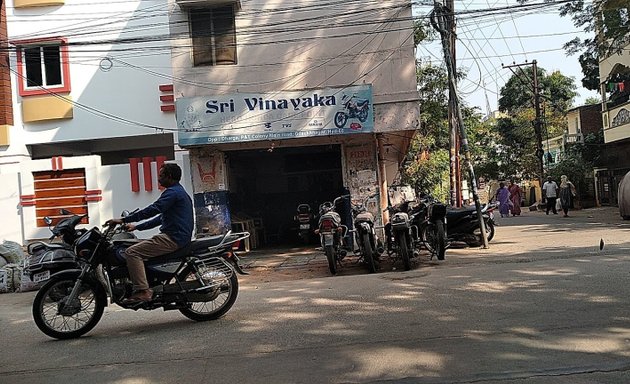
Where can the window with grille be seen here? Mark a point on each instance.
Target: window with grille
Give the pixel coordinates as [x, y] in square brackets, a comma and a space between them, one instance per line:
[213, 33]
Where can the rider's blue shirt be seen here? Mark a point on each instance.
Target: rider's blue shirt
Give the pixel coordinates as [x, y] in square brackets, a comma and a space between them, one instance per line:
[174, 213]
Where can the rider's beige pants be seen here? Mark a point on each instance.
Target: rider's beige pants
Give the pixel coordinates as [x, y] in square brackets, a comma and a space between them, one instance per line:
[158, 245]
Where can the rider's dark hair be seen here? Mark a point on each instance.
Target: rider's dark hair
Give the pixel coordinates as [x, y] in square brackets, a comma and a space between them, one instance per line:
[173, 171]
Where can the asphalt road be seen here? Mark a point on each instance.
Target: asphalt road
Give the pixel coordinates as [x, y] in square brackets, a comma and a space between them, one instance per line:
[542, 305]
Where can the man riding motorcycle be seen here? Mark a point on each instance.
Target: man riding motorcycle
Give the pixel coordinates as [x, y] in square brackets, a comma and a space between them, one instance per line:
[173, 211]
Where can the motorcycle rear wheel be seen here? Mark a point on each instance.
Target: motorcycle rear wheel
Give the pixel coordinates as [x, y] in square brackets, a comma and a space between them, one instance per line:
[223, 300]
[368, 253]
[330, 256]
[403, 250]
[88, 308]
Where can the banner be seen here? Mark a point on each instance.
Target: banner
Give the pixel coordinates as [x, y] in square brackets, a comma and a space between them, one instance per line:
[244, 117]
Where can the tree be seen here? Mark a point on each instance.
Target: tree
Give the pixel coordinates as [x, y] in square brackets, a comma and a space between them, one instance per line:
[517, 143]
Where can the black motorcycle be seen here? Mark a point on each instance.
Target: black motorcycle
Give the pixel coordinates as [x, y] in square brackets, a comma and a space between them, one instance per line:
[199, 280]
[354, 108]
[463, 224]
[48, 258]
[401, 234]
[430, 217]
[304, 221]
[368, 244]
[331, 233]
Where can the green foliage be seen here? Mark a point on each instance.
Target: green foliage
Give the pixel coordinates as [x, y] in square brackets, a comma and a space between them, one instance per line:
[592, 101]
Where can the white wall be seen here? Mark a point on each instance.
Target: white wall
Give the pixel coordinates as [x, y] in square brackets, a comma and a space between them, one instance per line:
[10, 209]
[128, 90]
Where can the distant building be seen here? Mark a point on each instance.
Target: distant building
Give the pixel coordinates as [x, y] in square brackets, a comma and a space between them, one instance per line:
[614, 74]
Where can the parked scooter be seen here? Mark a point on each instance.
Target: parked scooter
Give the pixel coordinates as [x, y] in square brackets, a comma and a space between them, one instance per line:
[369, 246]
[354, 108]
[331, 233]
[304, 220]
[463, 225]
[199, 280]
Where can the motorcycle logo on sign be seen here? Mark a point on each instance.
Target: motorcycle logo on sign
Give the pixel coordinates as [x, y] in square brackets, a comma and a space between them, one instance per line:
[354, 107]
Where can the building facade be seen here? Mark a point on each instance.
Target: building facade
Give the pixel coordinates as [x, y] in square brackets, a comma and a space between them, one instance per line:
[614, 74]
[86, 110]
[286, 103]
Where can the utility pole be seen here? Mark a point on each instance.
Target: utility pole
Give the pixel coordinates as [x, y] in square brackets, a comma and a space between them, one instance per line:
[453, 137]
[439, 22]
[538, 119]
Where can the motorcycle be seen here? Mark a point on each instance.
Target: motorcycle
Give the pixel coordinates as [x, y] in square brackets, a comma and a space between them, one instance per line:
[199, 280]
[304, 219]
[431, 221]
[463, 225]
[354, 108]
[48, 258]
[400, 235]
[331, 233]
[369, 246]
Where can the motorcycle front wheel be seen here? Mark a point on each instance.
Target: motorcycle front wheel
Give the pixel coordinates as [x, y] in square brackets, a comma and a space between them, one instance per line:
[222, 294]
[60, 319]
[403, 250]
[340, 119]
[368, 253]
[330, 256]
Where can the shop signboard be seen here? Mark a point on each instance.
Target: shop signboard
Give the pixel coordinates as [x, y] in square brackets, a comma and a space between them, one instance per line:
[242, 117]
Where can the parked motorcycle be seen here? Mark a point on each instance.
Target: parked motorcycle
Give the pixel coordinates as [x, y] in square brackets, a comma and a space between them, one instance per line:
[199, 280]
[331, 233]
[304, 220]
[354, 108]
[431, 221]
[48, 258]
[369, 246]
[399, 233]
[463, 225]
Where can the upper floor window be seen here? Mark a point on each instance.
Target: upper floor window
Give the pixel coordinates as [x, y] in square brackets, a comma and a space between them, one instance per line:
[43, 67]
[213, 33]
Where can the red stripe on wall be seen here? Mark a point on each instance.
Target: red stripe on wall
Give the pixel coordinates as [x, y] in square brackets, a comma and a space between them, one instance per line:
[93, 192]
[167, 108]
[133, 171]
[167, 98]
[166, 88]
[146, 167]
[93, 198]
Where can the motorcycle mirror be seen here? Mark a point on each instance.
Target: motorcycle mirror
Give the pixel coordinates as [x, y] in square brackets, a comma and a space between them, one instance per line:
[124, 213]
[47, 220]
[65, 212]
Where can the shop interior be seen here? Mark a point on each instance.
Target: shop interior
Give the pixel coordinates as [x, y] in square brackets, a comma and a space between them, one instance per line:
[266, 186]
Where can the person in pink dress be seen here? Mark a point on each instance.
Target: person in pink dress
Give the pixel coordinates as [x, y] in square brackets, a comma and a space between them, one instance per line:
[516, 195]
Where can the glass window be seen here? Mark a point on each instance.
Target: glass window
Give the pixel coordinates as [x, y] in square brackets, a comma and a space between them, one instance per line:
[213, 34]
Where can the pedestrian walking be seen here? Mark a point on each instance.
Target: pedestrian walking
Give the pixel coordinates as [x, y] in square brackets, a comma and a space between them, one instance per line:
[550, 193]
[503, 196]
[567, 193]
[516, 195]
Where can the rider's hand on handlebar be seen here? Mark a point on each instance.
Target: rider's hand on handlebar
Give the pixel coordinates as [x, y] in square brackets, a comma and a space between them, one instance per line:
[130, 227]
[113, 222]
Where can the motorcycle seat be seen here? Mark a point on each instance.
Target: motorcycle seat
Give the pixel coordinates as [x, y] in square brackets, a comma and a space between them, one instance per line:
[364, 216]
[456, 213]
[192, 247]
[362, 102]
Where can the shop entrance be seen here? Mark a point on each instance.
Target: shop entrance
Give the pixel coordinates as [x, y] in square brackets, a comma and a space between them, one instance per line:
[266, 186]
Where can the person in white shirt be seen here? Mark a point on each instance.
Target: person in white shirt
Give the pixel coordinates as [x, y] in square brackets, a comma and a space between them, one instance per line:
[550, 193]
